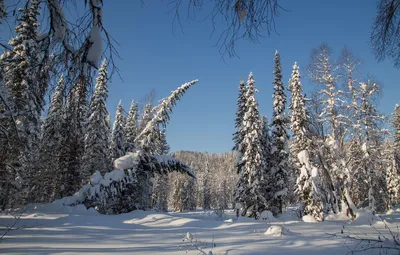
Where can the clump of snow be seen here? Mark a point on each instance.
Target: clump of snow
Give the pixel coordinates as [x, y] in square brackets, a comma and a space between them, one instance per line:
[365, 217]
[337, 217]
[96, 49]
[96, 178]
[126, 162]
[275, 230]
[267, 216]
[309, 219]
[228, 220]
[189, 236]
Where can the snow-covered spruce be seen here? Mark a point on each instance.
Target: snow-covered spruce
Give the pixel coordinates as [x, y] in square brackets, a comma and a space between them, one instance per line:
[50, 145]
[308, 186]
[131, 127]
[280, 144]
[117, 141]
[96, 156]
[250, 190]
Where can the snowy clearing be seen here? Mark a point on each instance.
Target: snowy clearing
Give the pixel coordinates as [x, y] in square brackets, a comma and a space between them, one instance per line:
[56, 229]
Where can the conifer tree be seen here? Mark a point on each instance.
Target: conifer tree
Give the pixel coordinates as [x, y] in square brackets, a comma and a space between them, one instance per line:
[238, 135]
[392, 164]
[117, 143]
[303, 152]
[23, 104]
[280, 155]
[396, 126]
[96, 153]
[131, 128]
[249, 191]
[75, 113]
[51, 144]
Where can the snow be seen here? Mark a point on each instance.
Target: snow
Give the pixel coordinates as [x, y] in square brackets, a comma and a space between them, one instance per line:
[96, 50]
[276, 231]
[126, 162]
[268, 216]
[309, 219]
[57, 229]
[365, 217]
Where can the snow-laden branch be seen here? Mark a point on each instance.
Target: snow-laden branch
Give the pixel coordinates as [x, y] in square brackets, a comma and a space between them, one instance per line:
[162, 113]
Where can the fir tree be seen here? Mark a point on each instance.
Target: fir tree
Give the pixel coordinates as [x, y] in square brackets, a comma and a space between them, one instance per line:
[131, 128]
[96, 154]
[117, 143]
[280, 155]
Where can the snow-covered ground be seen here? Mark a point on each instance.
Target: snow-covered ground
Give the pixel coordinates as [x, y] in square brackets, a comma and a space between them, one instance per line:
[56, 229]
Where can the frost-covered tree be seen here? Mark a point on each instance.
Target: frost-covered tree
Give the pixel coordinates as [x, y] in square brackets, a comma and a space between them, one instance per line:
[249, 190]
[72, 148]
[280, 146]
[238, 135]
[370, 128]
[51, 145]
[22, 100]
[131, 127]
[303, 152]
[96, 153]
[396, 126]
[183, 193]
[117, 142]
[392, 164]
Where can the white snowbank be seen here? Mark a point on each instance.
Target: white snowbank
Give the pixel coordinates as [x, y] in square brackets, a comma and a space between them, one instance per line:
[275, 230]
[365, 217]
[309, 219]
[268, 216]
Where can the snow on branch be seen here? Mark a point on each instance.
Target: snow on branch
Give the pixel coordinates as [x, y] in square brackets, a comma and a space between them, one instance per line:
[162, 113]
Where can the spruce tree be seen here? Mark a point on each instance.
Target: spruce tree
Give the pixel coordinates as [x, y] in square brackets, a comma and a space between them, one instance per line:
[238, 135]
[51, 144]
[280, 155]
[249, 191]
[117, 143]
[23, 104]
[96, 153]
[131, 128]
[303, 152]
[75, 113]
[396, 126]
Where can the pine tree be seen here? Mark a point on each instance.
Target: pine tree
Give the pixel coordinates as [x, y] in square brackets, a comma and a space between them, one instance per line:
[249, 191]
[131, 128]
[280, 155]
[96, 153]
[51, 145]
[117, 143]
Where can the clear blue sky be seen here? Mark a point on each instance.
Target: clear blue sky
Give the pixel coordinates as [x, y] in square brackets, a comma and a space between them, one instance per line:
[157, 55]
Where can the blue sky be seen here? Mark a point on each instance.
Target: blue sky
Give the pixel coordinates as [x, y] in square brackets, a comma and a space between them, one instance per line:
[155, 54]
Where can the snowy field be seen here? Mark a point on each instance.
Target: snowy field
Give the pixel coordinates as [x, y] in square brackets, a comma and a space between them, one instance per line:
[55, 229]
